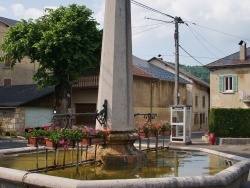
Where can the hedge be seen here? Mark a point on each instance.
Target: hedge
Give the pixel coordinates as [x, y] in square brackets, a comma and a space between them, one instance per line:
[230, 122]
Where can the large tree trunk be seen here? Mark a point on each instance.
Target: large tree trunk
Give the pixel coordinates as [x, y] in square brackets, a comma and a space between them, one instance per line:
[62, 102]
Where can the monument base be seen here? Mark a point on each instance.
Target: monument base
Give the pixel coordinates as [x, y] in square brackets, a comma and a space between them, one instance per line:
[120, 149]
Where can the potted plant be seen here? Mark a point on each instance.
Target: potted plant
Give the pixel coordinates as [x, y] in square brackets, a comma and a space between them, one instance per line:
[144, 130]
[92, 136]
[73, 135]
[36, 136]
[165, 128]
[155, 128]
[53, 140]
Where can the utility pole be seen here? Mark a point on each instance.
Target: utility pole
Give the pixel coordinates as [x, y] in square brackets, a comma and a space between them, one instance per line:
[177, 20]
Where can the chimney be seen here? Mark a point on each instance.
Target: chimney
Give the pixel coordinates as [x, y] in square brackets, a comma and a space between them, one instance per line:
[243, 50]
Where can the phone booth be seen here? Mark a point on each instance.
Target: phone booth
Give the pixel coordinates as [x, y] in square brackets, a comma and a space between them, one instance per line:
[181, 124]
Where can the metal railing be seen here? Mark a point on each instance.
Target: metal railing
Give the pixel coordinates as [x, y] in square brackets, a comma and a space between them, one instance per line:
[88, 81]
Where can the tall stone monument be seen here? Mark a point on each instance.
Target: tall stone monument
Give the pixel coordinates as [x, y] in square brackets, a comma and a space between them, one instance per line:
[116, 86]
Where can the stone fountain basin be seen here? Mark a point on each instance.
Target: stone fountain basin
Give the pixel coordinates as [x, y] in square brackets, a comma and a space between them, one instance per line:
[232, 177]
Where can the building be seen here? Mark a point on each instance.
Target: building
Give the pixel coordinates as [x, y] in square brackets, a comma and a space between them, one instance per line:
[198, 94]
[153, 93]
[230, 80]
[24, 71]
[24, 106]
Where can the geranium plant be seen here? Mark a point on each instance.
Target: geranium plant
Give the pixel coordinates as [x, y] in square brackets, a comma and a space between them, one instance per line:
[164, 126]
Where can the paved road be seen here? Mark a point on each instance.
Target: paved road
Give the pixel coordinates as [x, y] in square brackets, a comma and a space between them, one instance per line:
[12, 143]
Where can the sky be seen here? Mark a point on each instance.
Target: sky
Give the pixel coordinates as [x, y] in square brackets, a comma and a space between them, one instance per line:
[212, 28]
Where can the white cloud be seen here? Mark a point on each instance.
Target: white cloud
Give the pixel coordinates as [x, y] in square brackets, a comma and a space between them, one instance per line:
[3, 9]
[26, 13]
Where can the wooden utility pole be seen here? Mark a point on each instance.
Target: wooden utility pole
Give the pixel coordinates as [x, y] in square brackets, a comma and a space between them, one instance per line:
[177, 20]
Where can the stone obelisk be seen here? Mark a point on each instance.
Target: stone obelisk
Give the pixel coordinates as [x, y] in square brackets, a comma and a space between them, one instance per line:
[116, 86]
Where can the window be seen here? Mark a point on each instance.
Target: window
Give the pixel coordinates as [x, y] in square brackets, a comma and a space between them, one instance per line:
[196, 118]
[7, 63]
[203, 118]
[228, 84]
[196, 101]
[203, 101]
[7, 82]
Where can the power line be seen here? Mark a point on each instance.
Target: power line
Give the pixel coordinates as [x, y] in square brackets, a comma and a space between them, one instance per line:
[206, 40]
[202, 43]
[148, 29]
[151, 9]
[148, 25]
[218, 31]
[191, 55]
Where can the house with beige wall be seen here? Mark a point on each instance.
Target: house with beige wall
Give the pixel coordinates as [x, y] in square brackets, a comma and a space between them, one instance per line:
[153, 92]
[230, 80]
[24, 71]
[197, 94]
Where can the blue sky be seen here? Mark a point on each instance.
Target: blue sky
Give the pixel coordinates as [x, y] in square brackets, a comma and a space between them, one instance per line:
[220, 25]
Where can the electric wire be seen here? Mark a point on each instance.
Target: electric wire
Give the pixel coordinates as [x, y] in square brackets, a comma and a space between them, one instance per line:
[206, 40]
[191, 55]
[157, 11]
[202, 43]
[221, 32]
[149, 8]
[147, 25]
[148, 29]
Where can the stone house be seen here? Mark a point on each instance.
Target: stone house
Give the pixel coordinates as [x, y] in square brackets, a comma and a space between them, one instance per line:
[230, 80]
[25, 106]
[197, 94]
[24, 71]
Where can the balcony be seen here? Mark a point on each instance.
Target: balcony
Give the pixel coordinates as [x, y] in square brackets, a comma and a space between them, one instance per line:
[87, 82]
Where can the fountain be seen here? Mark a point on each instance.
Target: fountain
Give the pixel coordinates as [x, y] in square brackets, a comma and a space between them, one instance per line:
[116, 87]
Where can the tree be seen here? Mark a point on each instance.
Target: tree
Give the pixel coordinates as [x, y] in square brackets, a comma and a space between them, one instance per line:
[66, 43]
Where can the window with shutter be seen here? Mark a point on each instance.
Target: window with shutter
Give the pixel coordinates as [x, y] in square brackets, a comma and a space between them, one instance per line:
[228, 84]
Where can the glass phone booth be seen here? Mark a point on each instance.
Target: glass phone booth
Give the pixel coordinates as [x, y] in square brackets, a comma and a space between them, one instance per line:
[181, 124]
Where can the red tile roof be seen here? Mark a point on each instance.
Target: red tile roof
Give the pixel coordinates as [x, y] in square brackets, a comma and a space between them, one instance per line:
[139, 72]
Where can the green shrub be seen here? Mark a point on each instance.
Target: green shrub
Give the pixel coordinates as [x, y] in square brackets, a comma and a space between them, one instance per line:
[230, 122]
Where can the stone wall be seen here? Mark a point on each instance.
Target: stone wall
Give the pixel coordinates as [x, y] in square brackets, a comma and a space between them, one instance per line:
[12, 118]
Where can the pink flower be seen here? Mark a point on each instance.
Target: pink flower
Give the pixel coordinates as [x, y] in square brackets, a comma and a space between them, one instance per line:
[74, 127]
[62, 142]
[66, 147]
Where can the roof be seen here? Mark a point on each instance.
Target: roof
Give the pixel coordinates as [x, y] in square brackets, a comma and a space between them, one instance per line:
[8, 21]
[231, 60]
[190, 76]
[16, 95]
[139, 72]
[155, 71]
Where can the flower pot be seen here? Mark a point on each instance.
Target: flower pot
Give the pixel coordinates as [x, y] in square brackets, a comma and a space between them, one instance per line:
[41, 141]
[49, 143]
[144, 135]
[165, 133]
[92, 141]
[32, 141]
[212, 138]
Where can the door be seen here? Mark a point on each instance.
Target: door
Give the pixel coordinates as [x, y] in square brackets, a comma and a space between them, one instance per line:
[83, 119]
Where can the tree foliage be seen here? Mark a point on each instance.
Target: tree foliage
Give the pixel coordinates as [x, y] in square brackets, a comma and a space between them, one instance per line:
[66, 43]
[197, 71]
